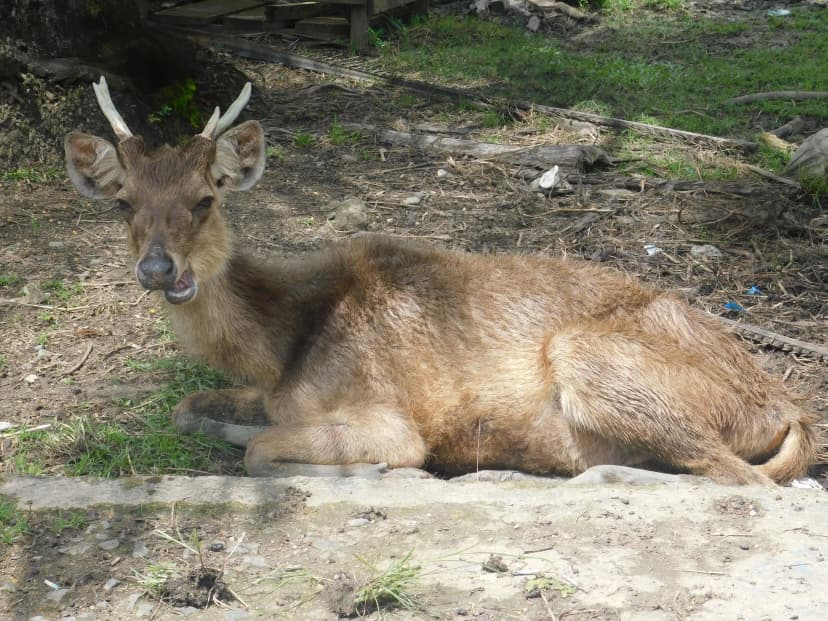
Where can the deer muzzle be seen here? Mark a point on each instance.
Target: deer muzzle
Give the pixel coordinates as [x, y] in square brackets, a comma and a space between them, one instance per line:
[157, 272]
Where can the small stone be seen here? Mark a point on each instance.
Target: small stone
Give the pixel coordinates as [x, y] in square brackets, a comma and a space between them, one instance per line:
[186, 611]
[358, 522]
[412, 200]
[57, 244]
[236, 614]
[255, 560]
[111, 584]
[144, 609]
[56, 596]
[216, 546]
[442, 173]
[109, 544]
[33, 294]
[744, 546]
[31, 378]
[707, 251]
[139, 550]
[533, 24]
[76, 550]
[351, 215]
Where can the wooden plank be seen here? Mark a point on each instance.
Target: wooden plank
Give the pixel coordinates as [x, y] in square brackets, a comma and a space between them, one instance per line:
[380, 6]
[325, 28]
[250, 16]
[293, 11]
[206, 11]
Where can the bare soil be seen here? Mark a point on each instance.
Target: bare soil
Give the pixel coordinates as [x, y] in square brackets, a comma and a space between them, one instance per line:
[64, 354]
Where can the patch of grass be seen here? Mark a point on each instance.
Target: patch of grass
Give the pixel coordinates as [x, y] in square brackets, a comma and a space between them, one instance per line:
[774, 160]
[32, 175]
[541, 584]
[179, 100]
[404, 100]
[13, 524]
[493, 119]
[48, 318]
[678, 69]
[649, 157]
[155, 576]
[10, 280]
[64, 521]
[339, 136]
[815, 187]
[61, 290]
[303, 140]
[142, 442]
[389, 588]
[276, 153]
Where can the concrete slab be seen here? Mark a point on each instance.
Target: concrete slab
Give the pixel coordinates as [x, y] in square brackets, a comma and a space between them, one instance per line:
[666, 548]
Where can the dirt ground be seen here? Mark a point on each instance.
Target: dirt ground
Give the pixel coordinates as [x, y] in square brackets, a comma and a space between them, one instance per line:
[64, 349]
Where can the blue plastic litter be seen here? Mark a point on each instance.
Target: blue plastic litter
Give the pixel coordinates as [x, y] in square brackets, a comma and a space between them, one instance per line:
[734, 306]
[754, 290]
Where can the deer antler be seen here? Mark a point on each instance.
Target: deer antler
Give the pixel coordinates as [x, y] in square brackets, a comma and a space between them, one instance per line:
[216, 126]
[108, 108]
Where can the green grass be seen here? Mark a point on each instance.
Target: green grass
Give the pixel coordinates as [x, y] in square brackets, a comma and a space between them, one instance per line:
[143, 441]
[61, 290]
[303, 140]
[32, 175]
[10, 280]
[672, 68]
[70, 520]
[155, 576]
[13, 524]
[276, 153]
[389, 588]
[339, 136]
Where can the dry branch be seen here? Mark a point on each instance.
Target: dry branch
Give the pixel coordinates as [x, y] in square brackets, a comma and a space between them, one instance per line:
[777, 341]
[645, 128]
[572, 156]
[795, 95]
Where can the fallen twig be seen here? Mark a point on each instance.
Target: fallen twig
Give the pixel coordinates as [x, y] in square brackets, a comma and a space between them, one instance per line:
[575, 156]
[80, 362]
[777, 341]
[646, 128]
[795, 95]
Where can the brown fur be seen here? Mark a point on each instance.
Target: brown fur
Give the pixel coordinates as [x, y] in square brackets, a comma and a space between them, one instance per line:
[380, 350]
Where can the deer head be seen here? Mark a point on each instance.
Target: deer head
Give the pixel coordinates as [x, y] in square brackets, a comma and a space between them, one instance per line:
[171, 197]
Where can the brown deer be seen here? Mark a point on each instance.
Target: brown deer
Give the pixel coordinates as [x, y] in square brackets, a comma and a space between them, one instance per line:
[380, 351]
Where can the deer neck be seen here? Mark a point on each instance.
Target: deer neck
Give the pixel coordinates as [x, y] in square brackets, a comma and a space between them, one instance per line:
[219, 326]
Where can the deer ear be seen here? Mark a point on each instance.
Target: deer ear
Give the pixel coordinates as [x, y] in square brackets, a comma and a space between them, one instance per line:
[93, 165]
[240, 156]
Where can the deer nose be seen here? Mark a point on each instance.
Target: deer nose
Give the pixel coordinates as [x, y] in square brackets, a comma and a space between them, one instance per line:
[156, 270]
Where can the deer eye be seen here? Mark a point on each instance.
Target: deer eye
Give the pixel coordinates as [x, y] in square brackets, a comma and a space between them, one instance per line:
[204, 204]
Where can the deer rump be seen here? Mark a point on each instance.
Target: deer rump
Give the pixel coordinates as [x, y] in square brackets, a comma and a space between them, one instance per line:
[382, 351]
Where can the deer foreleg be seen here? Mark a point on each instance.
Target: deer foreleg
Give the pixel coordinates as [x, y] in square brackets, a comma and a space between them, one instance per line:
[344, 443]
[234, 415]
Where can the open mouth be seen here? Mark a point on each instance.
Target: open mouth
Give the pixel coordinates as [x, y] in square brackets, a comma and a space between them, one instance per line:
[183, 290]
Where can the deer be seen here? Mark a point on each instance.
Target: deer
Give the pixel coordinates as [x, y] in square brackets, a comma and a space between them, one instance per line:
[379, 353]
